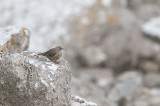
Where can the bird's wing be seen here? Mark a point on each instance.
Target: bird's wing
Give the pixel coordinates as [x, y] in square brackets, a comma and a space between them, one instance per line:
[51, 54]
[50, 51]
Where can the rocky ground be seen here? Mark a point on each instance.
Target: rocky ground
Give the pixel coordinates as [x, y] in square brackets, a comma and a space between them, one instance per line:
[112, 46]
[130, 88]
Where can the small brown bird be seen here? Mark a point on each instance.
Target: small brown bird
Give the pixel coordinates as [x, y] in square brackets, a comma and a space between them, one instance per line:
[53, 54]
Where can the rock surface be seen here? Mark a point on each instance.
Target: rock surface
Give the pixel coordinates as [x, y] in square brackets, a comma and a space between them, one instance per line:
[30, 80]
[14, 39]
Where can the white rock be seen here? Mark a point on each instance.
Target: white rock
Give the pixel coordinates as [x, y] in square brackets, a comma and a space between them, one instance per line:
[152, 27]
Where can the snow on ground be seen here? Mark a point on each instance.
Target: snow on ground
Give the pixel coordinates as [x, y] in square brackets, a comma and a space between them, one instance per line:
[82, 101]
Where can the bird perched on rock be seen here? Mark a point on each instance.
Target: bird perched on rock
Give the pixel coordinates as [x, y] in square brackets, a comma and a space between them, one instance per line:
[53, 54]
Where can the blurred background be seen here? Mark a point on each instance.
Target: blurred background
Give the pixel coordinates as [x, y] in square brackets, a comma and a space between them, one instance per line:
[112, 46]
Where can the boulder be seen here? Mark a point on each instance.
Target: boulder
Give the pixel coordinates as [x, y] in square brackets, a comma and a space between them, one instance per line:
[92, 56]
[128, 85]
[151, 28]
[14, 39]
[27, 79]
[152, 80]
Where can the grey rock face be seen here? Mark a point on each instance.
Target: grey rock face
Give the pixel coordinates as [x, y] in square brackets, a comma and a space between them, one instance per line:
[30, 80]
[14, 39]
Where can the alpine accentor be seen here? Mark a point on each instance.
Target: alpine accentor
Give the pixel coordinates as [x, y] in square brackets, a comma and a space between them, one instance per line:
[53, 54]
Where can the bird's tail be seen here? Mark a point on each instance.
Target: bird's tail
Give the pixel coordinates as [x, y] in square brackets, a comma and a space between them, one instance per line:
[41, 54]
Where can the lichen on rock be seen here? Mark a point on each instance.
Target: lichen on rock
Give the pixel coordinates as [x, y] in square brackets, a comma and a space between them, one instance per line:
[31, 80]
[14, 39]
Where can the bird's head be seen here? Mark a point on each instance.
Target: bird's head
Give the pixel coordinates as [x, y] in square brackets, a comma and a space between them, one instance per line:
[60, 48]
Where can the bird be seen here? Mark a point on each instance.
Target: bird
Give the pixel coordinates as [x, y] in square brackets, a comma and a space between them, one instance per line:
[53, 54]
